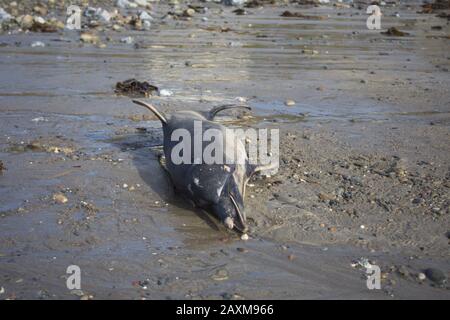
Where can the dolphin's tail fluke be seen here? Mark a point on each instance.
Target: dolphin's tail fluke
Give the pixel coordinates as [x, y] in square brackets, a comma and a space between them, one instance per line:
[150, 107]
[214, 111]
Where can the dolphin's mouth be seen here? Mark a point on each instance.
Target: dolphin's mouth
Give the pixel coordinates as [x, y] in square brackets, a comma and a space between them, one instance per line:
[241, 225]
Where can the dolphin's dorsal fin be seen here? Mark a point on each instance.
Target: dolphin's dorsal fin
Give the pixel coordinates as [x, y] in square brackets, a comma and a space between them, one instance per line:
[161, 116]
[214, 111]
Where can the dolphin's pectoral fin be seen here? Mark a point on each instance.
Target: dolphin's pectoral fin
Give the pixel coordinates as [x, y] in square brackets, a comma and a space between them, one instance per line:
[160, 115]
[214, 111]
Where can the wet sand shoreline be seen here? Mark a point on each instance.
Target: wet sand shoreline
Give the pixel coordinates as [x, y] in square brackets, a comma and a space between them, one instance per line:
[364, 159]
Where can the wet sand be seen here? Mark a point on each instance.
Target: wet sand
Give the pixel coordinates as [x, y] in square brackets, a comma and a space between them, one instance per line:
[364, 158]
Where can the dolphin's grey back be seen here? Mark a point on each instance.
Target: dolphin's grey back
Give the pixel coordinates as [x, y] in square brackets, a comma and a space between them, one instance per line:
[202, 182]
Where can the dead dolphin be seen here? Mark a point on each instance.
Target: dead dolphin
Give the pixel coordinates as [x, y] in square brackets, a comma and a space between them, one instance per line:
[217, 188]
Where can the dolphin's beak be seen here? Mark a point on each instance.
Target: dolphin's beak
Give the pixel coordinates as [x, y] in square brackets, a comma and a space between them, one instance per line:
[240, 224]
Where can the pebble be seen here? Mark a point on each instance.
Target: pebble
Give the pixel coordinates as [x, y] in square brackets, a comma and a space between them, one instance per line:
[220, 275]
[145, 16]
[97, 13]
[189, 12]
[77, 292]
[142, 3]
[87, 37]
[326, 197]
[234, 2]
[309, 51]
[244, 237]
[37, 44]
[289, 103]
[4, 16]
[125, 4]
[39, 20]
[165, 93]
[127, 40]
[60, 198]
[26, 21]
[421, 276]
[116, 27]
[146, 24]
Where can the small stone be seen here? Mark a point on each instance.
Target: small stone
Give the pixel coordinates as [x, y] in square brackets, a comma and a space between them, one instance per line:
[220, 275]
[421, 276]
[97, 13]
[25, 22]
[165, 93]
[309, 51]
[77, 292]
[189, 12]
[146, 24]
[326, 197]
[39, 20]
[60, 198]
[244, 237]
[116, 27]
[145, 16]
[436, 210]
[40, 10]
[243, 250]
[87, 37]
[37, 44]
[291, 257]
[127, 40]
[142, 3]
[289, 103]
[4, 16]
[125, 4]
